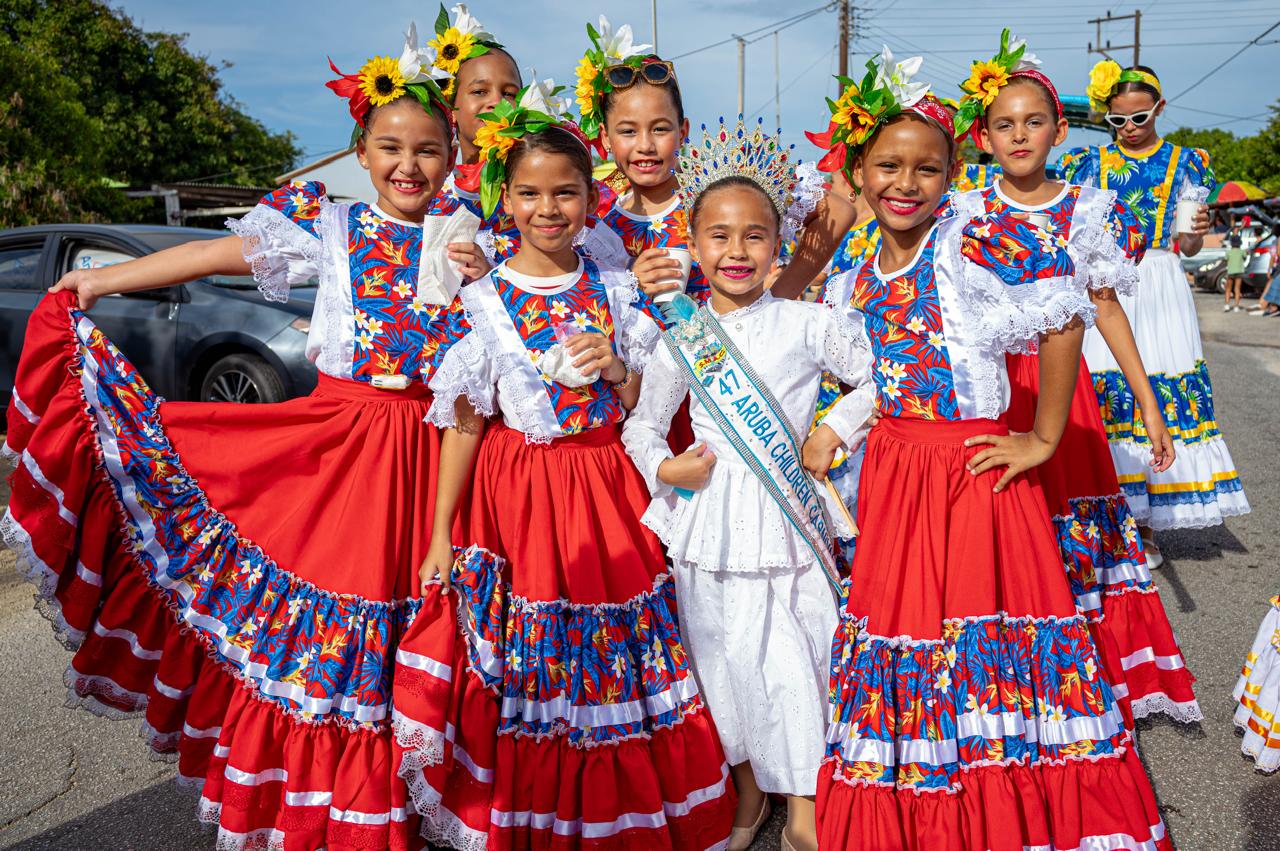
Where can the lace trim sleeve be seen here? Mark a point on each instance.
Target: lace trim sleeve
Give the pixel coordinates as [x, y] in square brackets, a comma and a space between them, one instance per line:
[838, 298]
[1100, 260]
[810, 189]
[488, 244]
[848, 355]
[635, 333]
[1000, 317]
[464, 371]
[278, 250]
[604, 247]
[644, 434]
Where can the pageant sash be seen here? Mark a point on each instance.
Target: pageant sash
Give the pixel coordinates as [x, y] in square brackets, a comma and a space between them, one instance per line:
[749, 416]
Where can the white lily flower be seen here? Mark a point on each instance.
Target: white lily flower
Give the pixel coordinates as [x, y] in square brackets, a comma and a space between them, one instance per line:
[897, 77]
[619, 45]
[464, 23]
[1028, 61]
[540, 95]
[415, 60]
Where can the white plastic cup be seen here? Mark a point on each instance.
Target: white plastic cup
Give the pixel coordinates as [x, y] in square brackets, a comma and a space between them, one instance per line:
[686, 265]
[1185, 219]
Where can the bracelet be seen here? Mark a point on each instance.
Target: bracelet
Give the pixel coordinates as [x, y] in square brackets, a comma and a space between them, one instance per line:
[626, 382]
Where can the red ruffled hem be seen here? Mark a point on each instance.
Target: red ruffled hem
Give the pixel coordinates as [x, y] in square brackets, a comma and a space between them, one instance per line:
[267, 779]
[1069, 806]
[1141, 659]
[478, 789]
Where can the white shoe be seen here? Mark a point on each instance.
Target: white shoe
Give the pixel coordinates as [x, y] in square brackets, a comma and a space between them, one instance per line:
[740, 838]
[1237, 309]
[1155, 559]
[1226, 308]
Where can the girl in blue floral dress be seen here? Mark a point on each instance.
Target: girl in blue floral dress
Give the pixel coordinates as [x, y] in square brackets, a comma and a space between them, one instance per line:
[577, 719]
[969, 711]
[240, 575]
[1152, 177]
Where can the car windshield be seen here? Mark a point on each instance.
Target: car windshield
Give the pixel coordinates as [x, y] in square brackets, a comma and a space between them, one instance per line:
[161, 239]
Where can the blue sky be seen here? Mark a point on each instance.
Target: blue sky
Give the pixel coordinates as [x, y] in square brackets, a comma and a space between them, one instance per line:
[277, 50]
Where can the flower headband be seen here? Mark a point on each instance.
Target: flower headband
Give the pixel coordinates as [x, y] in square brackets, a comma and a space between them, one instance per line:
[382, 80]
[1107, 76]
[885, 91]
[986, 79]
[608, 47]
[457, 42]
[537, 107]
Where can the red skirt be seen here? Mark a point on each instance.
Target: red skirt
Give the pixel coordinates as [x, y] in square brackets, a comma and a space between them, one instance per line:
[1099, 542]
[575, 720]
[968, 710]
[240, 575]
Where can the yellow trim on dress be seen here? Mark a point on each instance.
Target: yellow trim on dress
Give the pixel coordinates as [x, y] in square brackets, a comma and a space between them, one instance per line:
[1180, 487]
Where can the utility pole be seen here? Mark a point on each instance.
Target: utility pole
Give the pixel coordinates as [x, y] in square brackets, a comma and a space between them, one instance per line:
[654, 8]
[1105, 49]
[844, 38]
[742, 73]
[777, 83]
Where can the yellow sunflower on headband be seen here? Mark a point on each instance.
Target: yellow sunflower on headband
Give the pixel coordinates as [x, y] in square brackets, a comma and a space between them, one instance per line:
[452, 47]
[381, 80]
[493, 145]
[985, 81]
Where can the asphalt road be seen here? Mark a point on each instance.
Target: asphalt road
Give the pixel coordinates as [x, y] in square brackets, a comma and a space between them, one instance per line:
[69, 780]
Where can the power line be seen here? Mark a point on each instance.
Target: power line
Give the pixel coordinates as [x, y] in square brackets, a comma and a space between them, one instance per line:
[1224, 62]
[821, 57]
[1041, 48]
[781, 24]
[1261, 116]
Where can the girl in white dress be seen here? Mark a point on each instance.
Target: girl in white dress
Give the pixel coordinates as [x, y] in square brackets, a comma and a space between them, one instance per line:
[757, 599]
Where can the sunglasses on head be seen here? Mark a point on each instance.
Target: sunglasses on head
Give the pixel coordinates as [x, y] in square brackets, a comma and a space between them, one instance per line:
[1138, 118]
[653, 73]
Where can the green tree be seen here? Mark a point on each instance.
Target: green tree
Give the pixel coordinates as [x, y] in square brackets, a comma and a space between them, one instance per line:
[1254, 159]
[143, 110]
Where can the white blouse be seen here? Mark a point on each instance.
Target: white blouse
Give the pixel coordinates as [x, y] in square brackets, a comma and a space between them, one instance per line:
[732, 523]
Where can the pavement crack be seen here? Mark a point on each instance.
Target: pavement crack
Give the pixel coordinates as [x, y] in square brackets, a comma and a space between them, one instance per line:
[66, 786]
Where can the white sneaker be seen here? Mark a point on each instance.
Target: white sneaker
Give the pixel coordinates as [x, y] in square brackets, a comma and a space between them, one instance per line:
[1226, 308]
[1237, 309]
[1155, 560]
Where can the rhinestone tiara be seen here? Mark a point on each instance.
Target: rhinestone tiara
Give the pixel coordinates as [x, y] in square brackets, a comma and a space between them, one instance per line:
[737, 151]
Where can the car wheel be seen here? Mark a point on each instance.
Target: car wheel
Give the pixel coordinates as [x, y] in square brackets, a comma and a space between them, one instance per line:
[1220, 282]
[241, 378]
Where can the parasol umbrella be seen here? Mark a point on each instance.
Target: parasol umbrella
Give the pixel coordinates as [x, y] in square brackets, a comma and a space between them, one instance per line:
[1231, 191]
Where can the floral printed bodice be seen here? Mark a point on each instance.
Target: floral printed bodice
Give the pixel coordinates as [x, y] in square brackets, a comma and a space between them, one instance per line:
[583, 307]
[667, 230]
[903, 321]
[382, 322]
[1149, 185]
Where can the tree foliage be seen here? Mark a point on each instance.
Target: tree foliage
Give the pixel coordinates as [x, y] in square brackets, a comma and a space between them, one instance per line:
[1254, 159]
[96, 104]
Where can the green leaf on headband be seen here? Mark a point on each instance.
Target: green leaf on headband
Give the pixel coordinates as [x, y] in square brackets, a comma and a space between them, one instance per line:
[492, 176]
[845, 82]
[442, 20]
